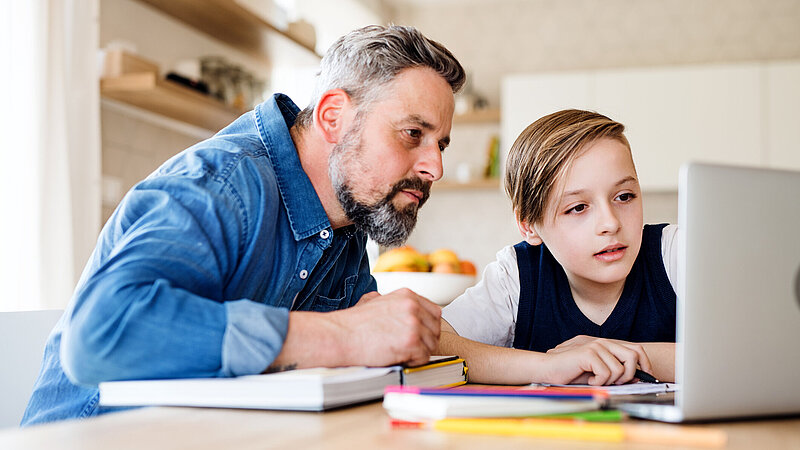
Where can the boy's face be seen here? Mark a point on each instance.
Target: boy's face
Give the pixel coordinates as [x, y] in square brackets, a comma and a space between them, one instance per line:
[594, 229]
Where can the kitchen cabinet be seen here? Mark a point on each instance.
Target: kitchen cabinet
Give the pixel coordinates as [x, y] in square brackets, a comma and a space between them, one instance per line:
[731, 113]
[707, 113]
[782, 127]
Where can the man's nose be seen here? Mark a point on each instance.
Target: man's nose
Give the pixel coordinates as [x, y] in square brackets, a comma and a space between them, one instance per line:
[429, 165]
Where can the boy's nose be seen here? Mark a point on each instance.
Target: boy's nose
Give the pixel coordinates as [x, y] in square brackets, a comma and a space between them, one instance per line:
[607, 220]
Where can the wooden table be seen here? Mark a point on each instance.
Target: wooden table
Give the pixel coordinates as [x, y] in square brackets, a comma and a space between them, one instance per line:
[365, 426]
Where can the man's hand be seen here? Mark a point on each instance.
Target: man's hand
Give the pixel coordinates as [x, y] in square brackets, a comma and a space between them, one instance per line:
[381, 330]
[596, 361]
[367, 297]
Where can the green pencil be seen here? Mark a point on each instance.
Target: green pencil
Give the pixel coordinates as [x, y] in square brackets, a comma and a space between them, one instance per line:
[602, 415]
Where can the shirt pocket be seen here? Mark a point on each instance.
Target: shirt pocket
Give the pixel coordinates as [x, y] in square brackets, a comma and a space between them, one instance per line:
[340, 301]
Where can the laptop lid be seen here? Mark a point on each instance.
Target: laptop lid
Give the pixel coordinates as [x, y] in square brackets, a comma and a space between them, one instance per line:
[738, 292]
[738, 295]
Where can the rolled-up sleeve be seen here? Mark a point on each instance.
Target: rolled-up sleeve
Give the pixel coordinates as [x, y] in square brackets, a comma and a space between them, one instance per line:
[253, 338]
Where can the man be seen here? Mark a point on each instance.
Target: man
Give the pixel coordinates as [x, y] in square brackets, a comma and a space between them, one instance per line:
[196, 272]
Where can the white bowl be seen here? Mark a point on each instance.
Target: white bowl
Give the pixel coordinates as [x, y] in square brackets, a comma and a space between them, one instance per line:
[440, 288]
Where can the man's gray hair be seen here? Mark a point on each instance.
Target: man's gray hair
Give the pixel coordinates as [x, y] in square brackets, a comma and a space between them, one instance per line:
[364, 60]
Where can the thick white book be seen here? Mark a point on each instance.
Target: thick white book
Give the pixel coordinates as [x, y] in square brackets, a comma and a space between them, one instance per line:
[303, 390]
[314, 389]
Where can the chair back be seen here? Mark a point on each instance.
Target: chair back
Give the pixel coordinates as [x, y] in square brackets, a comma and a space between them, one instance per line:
[22, 338]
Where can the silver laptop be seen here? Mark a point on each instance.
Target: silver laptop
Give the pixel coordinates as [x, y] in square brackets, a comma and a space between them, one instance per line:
[738, 331]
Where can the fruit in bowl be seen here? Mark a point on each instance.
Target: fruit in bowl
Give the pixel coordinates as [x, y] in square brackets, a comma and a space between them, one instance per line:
[439, 276]
[401, 259]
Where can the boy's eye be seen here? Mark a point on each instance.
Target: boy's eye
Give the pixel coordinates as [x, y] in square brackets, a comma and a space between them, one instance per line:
[626, 197]
[576, 209]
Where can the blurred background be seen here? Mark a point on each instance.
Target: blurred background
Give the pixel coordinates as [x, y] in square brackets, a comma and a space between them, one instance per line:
[101, 92]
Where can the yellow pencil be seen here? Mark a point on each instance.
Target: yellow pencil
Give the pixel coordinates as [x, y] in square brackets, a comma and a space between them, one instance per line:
[588, 431]
[547, 429]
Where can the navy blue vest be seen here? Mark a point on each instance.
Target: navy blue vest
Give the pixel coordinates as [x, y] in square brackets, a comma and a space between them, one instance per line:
[547, 314]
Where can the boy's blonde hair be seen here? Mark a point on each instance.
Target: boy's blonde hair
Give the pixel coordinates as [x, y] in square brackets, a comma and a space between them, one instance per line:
[545, 151]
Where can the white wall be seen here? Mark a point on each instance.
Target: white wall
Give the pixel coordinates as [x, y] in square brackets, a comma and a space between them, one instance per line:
[495, 38]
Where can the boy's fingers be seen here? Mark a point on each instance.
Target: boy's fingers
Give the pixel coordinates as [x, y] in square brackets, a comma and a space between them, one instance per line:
[599, 367]
[644, 360]
[615, 367]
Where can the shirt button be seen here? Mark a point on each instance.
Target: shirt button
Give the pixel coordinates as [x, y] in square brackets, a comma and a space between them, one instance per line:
[303, 274]
[324, 234]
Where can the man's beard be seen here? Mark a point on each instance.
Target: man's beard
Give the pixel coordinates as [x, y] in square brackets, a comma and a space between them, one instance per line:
[381, 221]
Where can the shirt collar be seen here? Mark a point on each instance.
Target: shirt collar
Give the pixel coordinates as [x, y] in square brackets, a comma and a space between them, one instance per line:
[306, 214]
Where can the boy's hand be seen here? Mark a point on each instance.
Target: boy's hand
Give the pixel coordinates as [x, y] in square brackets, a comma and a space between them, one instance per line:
[577, 341]
[596, 361]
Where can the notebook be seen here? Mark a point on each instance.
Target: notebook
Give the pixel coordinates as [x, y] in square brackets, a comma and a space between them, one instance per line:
[441, 371]
[421, 404]
[738, 296]
[314, 389]
[621, 389]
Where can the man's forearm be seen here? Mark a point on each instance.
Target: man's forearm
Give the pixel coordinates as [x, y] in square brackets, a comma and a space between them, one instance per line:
[312, 340]
[381, 330]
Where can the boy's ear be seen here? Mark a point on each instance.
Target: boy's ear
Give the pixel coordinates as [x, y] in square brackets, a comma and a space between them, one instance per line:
[329, 114]
[529, 233]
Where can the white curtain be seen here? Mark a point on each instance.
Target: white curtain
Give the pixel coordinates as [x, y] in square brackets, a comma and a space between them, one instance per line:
[50, 144]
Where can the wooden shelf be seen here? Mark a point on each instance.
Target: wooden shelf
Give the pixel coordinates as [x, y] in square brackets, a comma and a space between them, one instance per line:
[149, 92]
[232, 23]
[484, 183]
[489, 115]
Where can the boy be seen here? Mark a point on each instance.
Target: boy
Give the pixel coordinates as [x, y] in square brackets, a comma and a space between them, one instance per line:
[589, 285]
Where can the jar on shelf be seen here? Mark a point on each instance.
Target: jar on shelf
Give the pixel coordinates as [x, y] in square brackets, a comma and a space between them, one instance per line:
[212, 73]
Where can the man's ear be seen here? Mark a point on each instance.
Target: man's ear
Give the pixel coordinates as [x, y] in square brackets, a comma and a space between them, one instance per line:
[529, 233]
[329, 114]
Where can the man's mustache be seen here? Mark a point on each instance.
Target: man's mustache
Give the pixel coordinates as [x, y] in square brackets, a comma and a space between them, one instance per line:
[415, 184]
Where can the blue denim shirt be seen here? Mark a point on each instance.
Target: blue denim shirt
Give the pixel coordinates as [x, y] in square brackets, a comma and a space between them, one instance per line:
[195, 272]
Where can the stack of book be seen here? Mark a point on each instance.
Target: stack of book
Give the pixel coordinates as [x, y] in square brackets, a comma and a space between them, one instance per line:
[547, 412]
[303, 390]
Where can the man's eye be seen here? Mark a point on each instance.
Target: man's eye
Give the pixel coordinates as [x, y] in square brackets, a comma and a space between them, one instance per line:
[413, 133]
[442, 147]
